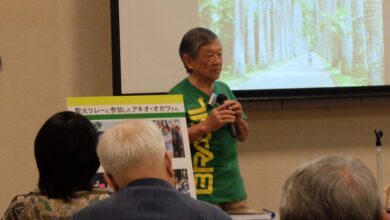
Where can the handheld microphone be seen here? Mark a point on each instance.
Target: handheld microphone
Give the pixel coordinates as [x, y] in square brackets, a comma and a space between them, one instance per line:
[221, 98]
[212, 100]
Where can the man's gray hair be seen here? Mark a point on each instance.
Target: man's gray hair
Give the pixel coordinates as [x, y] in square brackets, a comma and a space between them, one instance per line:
[129, 145]
[193, 40]
[331, 188]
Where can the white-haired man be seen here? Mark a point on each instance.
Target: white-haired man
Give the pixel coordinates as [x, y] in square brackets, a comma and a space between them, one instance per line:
[139, 168]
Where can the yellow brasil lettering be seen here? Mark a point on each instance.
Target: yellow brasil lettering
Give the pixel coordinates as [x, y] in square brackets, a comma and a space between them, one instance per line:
[203, 175]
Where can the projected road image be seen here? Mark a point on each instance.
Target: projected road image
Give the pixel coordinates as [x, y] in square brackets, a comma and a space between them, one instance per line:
[298, 44]
[300, 72]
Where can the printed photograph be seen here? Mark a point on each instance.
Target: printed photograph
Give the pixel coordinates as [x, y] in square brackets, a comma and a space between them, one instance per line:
[170, 129]
[181, 181]
[172, 134]
[99, 182]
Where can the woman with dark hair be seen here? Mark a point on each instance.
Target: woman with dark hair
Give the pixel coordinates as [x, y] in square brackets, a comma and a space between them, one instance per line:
[65, 153]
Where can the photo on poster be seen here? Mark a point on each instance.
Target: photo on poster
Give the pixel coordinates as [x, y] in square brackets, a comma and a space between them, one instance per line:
[173, 138]
[171, 131]
[181, 181]
[98, 181]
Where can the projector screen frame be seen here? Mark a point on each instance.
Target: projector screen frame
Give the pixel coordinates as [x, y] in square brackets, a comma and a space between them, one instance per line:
[259, 94]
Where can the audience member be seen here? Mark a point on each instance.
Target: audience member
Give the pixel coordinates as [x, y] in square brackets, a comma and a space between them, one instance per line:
[65, 153]
[331, 188]
[139, 168]
[386, 196]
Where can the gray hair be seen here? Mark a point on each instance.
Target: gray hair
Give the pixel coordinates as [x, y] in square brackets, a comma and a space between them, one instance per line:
[193, 40]
[331, 187]
[129, 145]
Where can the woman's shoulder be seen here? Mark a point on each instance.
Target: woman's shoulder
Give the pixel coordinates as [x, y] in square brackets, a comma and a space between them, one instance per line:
[94, 195]
[30, 197]
[34, 205]
[22, 207]
[82, 196]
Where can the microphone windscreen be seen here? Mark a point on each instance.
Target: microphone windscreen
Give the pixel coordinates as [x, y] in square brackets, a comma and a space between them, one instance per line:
[221, 98]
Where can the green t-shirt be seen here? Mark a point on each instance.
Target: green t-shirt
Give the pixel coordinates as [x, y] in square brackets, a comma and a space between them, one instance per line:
[214, 156]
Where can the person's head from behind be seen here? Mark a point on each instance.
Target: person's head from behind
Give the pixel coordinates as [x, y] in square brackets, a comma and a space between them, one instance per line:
[65, 153]
[134, 149]
[201, 52]
[331, 187]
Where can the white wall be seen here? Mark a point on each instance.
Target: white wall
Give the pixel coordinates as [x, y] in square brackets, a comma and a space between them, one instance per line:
[49, 50]
[281, 139]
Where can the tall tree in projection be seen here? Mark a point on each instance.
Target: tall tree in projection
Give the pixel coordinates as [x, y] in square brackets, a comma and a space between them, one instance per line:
[261, 34]
[282, 30]
[285, 33]
[334, 34]
[206, 11]
[224, 20]
[296, 29]
[319, 27]
[275, 31]
[288, 24]
[327, 31]
[346, 43]
[250, 34]
[309, 25]
[217, 16]
[375, 46]
[337, 17]
[268, 28]
[291, 26]
[238, 43]
[360, 66]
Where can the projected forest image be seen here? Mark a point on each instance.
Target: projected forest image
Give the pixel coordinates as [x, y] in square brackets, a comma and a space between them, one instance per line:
[274, 44]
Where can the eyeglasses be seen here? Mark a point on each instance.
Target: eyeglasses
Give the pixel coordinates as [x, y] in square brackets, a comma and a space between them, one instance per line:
[213, 57]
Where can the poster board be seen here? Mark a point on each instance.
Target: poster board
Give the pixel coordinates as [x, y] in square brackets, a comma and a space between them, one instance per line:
[167, 111]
